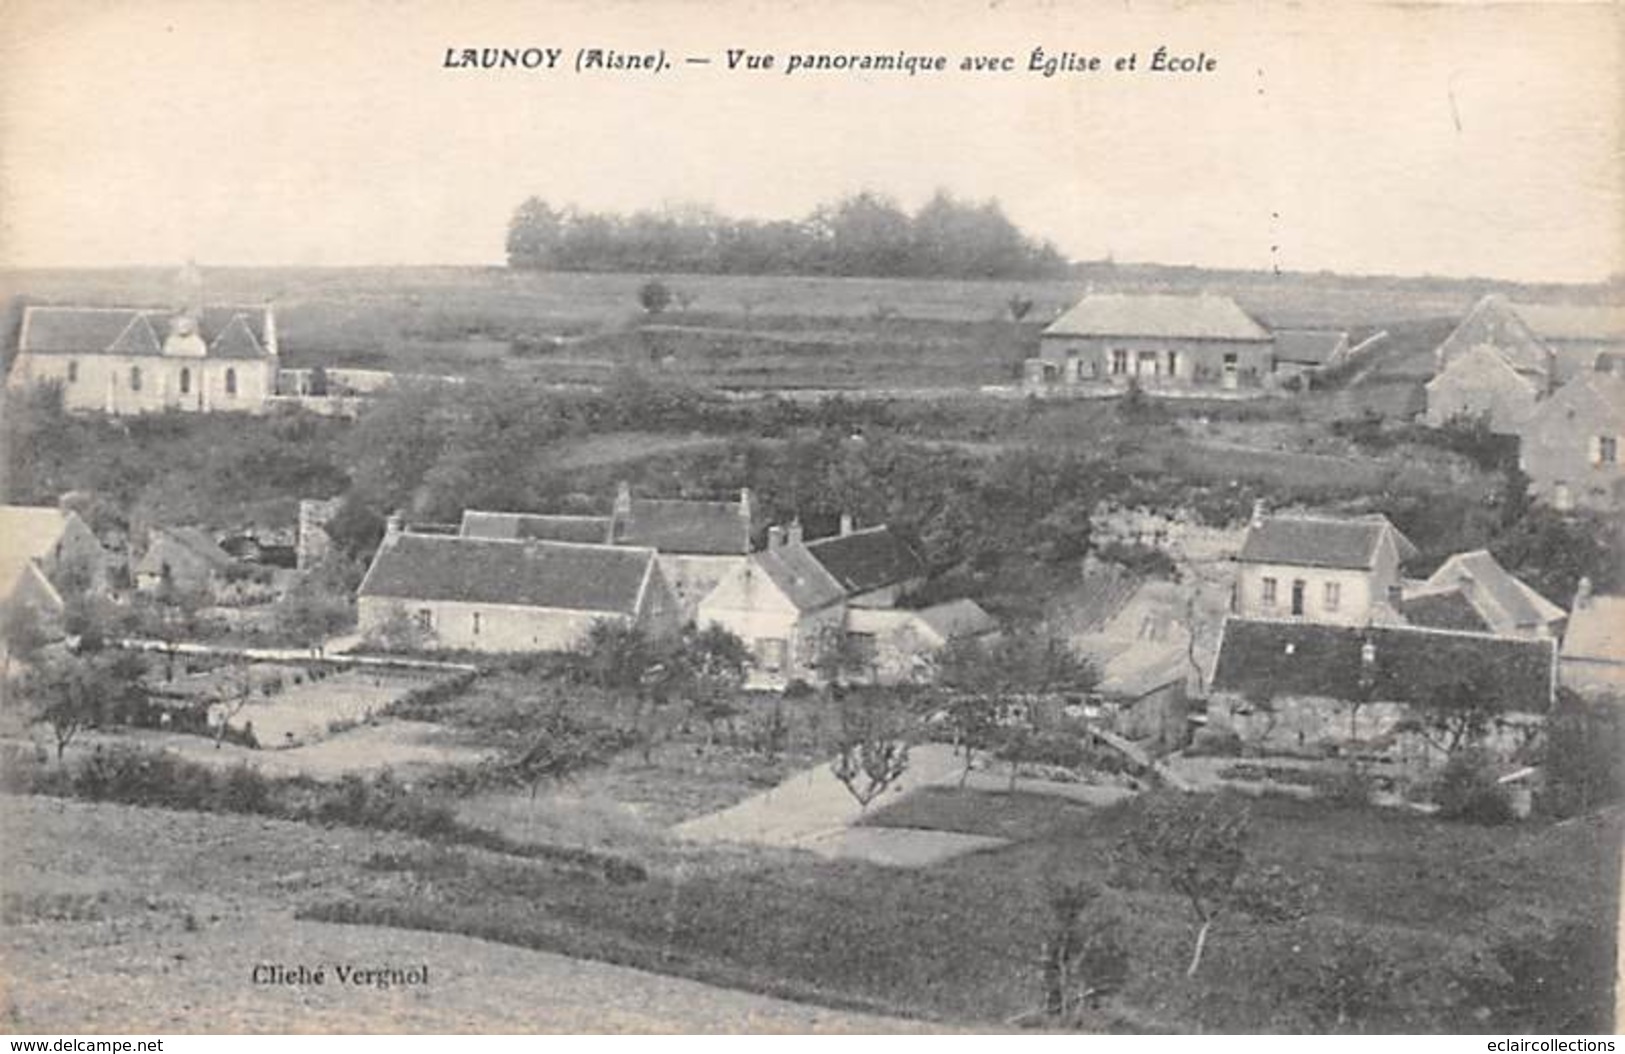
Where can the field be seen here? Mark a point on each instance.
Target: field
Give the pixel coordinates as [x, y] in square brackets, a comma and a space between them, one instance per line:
[748, 332]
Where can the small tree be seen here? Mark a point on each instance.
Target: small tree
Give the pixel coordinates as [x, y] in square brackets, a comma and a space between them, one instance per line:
[1194, 845]
[1018, 306]
[66, 693]
[711, 668]
[398, 631]
[1084, 956]
[654, 296]
[237, 688]
[562, 749]
[872, 753]
[1459, 711]
[23, 637]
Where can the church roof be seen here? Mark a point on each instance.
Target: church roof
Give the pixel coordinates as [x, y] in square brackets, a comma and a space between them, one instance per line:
[232, 332]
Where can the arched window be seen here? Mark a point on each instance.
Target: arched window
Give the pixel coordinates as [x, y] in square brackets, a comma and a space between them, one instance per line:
[73, 370]
[231, 381]
[186, 380]
[135, 378]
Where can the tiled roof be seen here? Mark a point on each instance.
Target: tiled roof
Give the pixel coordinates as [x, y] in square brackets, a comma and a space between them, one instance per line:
[1201, 317]
[230, 332]
[1085, 608]
[869, 559]
[1494, 323]
[685, 527]
[560, 575]
[1408, 663]
[1443, 609]
[1312, 347]
[511, 526]
[1312, 541]
[800, 577]
[1596, 630]
[1504, 602]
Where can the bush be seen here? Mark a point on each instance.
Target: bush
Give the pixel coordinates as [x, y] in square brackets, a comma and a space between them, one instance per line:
[1216, 743]
[1467, 791]
[1351, 785]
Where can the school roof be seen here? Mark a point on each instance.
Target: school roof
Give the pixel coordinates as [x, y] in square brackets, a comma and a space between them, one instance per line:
[228, 332]
[678, 526]
[867, 559]
[517, 526]
[1167, 315]
[539, 574]
[1317, 541]
[1408, 664]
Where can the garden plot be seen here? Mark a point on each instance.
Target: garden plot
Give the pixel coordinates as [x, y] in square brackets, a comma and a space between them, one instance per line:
[305, 710]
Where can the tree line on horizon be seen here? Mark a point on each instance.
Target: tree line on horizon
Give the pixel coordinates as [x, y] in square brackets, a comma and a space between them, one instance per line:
[860, 235]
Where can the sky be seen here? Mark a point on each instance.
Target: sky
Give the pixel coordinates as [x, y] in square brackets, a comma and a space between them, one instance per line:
[1454, 139]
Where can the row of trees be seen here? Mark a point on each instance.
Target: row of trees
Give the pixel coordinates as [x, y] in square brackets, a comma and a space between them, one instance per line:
[864, 234]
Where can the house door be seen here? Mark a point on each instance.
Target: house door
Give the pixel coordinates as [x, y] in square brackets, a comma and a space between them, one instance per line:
[1229, 379]
[1297, 596]
[1146, 364]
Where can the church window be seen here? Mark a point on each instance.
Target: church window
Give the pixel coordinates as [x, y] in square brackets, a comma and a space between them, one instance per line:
[186, 380]
[135, 378]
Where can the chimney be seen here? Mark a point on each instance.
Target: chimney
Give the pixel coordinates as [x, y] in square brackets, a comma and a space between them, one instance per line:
[846, 524]
[1582, 595]
[623, 500]
[393, 524]
[793, 535]
[1258, 513]
[747, 508]
[775, 537]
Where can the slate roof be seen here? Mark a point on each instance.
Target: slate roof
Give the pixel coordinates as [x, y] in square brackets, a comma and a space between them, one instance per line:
[1596, 631]
[1502, 600]
[1444, 609]
[538, 574]
[800, 577]
[229, 332]
[677, 526]
[1311, 347]
[1408, 663]
[512, 526]
[1199, 317]
[1493, 322]
[867, 559]
[1314, 541]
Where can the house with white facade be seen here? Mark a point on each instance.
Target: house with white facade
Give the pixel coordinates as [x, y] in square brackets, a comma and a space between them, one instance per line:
[492, 595]
[126, 360]
[1593, 652]
[1338, 570]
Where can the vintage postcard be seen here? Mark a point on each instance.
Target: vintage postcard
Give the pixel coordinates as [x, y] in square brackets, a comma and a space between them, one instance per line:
[716, 516]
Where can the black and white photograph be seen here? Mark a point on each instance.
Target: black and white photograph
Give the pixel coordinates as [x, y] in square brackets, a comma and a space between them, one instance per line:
[1031, 518]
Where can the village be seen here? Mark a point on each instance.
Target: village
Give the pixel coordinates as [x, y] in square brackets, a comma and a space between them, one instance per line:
[1359, 576]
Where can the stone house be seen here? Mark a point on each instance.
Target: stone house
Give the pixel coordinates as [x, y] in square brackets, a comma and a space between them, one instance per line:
[139, 360]
[46, 555]
[511, 596]
[1578, 334]
[1312, 675]
[699, 542]
[1592, 657]
[1492, 365]
[1471, 591]
[1158, 340]
[899, 642]
[1321, 569]
[1570, 446]
[788, 601]
[184, 559]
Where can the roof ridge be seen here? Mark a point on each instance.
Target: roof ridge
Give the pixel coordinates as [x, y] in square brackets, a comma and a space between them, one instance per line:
[1406, 628]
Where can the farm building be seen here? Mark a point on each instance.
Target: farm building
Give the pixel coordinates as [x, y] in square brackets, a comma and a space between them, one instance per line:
[140, 360]
[1593, 653]
[45, 552]
[699, 542]
[184, 559]
[1159, 340]
[1570, 446]
[1298, 683]
[1300, 352]
[1577, 334]
[1471, 591]
[505, 596]
[1321, 569]
[897, 643]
